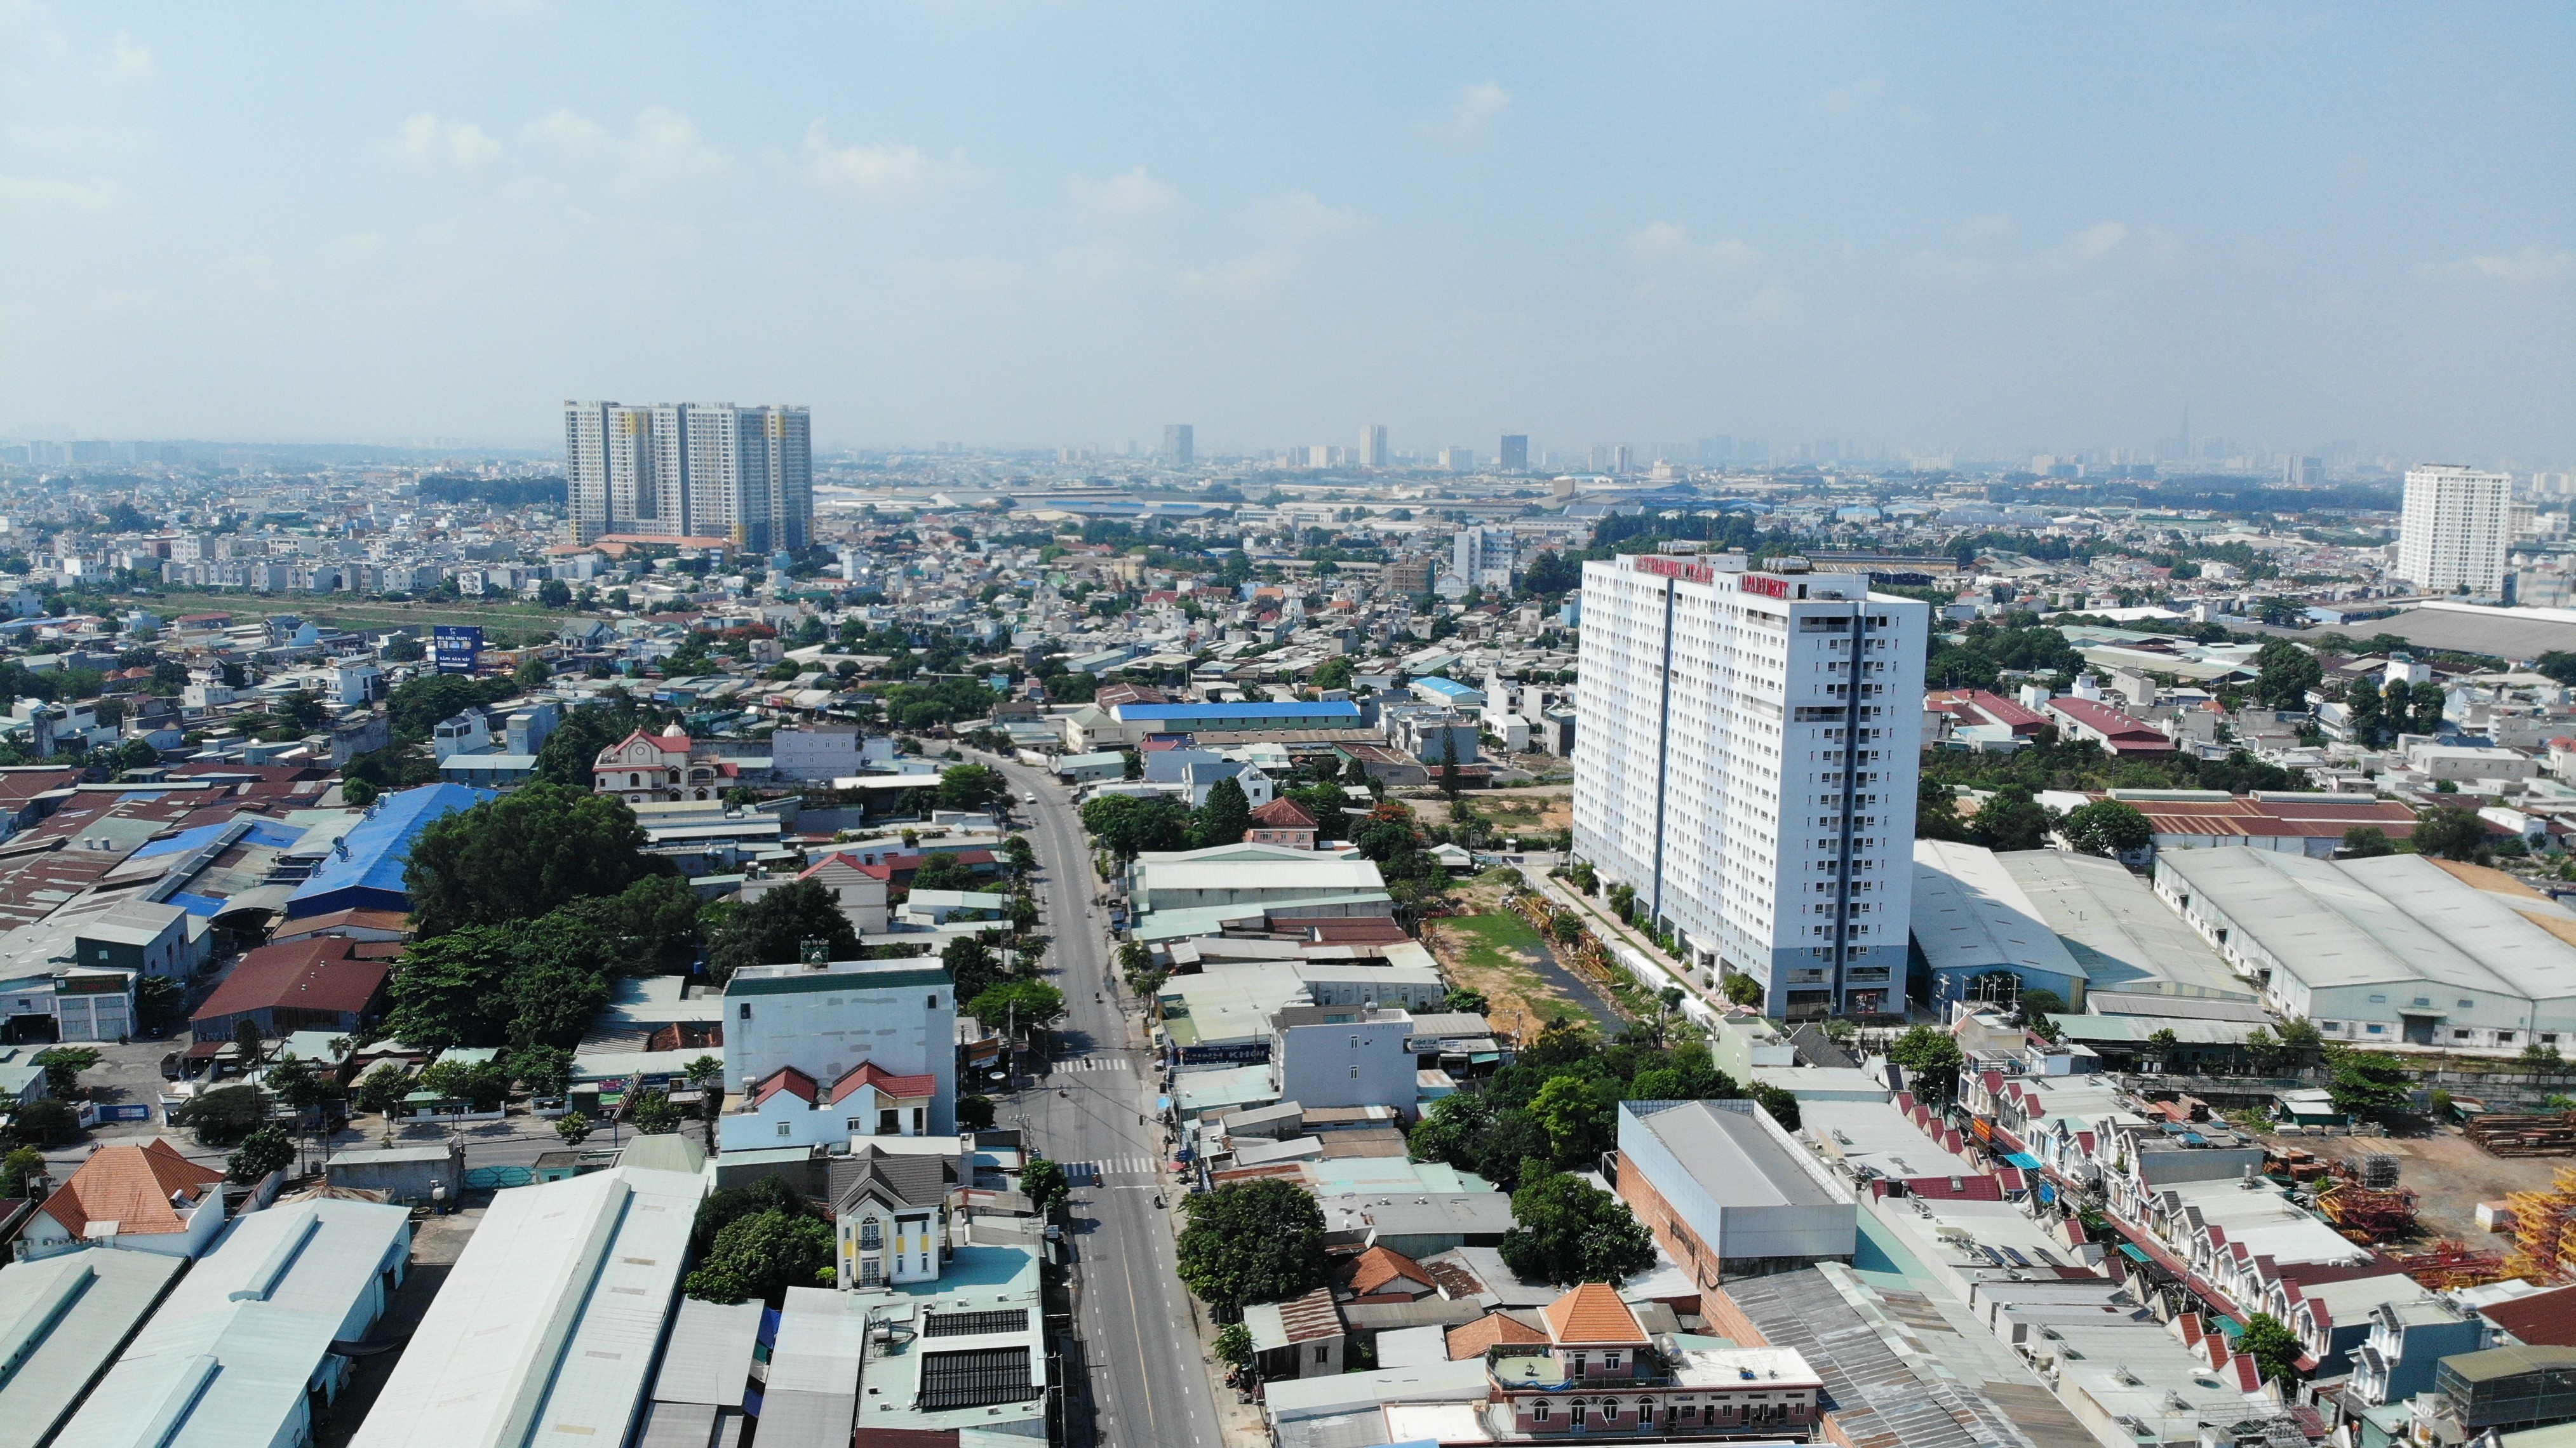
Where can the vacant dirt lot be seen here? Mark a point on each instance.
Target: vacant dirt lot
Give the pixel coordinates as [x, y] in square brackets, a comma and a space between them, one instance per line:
[2449, 1177]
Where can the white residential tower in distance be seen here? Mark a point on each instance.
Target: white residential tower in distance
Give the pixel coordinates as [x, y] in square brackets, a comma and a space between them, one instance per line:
[1748, 767]
[2456, 526]
[744, 475]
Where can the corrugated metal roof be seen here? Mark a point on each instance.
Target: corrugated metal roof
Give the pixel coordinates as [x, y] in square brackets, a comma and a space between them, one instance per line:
[229, 1357]
[709, 1356]
[67, 1316]
[508, 1342]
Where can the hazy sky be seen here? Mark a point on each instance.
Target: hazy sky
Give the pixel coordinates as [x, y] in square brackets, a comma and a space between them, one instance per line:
[1936, 226]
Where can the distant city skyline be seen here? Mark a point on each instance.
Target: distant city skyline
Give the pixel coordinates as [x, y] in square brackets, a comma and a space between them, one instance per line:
[1948, 232]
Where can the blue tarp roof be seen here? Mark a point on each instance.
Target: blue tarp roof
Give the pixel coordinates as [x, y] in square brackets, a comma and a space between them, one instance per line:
[1450, 687]
[366, 872]
[1150, 713]
[275, 836]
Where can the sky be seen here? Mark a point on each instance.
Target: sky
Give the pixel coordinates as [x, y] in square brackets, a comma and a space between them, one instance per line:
[1942, 229]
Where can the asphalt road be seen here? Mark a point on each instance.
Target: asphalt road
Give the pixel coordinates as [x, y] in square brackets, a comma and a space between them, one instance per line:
[1148, 1380]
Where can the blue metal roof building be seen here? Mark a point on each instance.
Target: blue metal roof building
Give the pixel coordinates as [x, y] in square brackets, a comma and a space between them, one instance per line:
[366, 871]
[1190, 718]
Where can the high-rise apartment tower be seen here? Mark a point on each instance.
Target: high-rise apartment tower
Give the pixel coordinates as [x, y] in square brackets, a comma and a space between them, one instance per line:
[1513, 456]
[1180, 445]
[691, 470]
[1373, 452]
[1748, 767]
[2455, 529]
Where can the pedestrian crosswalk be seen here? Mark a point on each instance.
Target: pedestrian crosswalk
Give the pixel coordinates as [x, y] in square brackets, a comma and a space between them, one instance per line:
[1095, 1173]
[1096, 1063]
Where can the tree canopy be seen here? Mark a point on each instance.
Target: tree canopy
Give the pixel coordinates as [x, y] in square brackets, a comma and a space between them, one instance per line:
[1566, 1230]
[2107, 827]
[773, 929]
[1255, 1241]
[1223, 819]
[520, 855]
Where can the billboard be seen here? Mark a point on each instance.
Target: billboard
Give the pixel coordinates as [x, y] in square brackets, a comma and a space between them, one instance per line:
[457, 647]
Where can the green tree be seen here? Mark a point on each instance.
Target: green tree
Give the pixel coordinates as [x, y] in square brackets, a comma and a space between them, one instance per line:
[971, 966]
[1032, 1003]
[224, 1116]
[545, 1070]
[2367, 1083]
[1224, 818]
[158, 1000]
[2367, 842]
[2451, 833]
[1332, 673]
[63, 1065]
[20, 1167]
[1234, 1345]
[521, 855]
[972, 788]
[1566, 1230]
[2108, 827]
[773, 930]
[1131, 825]
[574, 1128]
[1931, 1060]
[2012, 820]
[652, 1113]
[357, 793]
[1255, 1241]
[416, 706]
[975, 1113]
[1466, 1001]
[1579, 1117]
[2287, 672]
[1742, 989]
[943, 870]
[721, 1208]
[45, 1123]
[761, 1256]
[383, 1088]
[1021, 855]
[2425, 717]
[263, 1151]
[1044, 1183]
[2276, 1350]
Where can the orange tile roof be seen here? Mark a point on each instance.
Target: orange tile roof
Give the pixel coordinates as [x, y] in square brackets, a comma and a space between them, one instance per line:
[869, 1073]
[1379, 1267]
[1494, 1329]
[132, 1187]
[1592, 1313]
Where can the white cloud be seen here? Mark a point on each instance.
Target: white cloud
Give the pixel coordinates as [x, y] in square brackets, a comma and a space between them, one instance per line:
[32, 196]
[1667, 244]
[132, 61]
[2528, 267]
[1300, 217]
[880, 173]
[1850, 97]
[1773, 303]
[426, 141]
[1987, 228]
[1129, 195]
[1475, 109]
[665, 147]
[2088, 246]
[576, 138]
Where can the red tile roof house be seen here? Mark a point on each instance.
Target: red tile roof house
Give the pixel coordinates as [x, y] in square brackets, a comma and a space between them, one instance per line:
[790, 1108]
[2124, 736]
[139, 1198]
[326, 983]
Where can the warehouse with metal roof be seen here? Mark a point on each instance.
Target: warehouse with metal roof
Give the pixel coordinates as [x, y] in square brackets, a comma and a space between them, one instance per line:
[2389, 951]
[63, 1320]
[240, 1351]
[365, 869]
[546, 1328]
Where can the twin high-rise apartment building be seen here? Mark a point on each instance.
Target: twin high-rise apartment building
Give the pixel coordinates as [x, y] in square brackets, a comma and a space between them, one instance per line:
[704, 470]
[1750, 752]
[2456, 529]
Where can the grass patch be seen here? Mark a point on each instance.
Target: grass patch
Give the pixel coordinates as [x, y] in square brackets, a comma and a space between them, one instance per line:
[1495, 942]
